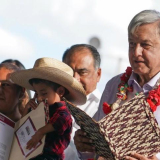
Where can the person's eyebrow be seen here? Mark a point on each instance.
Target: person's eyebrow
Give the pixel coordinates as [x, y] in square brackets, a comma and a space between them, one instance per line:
[146, 41]
[42, 90]
[82, 69]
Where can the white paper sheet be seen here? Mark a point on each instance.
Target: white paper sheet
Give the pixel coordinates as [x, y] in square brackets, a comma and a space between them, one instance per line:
[24, 134]
[6, 136]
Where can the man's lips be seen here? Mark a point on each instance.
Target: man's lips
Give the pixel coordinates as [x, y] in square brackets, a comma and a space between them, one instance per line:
[138, 61]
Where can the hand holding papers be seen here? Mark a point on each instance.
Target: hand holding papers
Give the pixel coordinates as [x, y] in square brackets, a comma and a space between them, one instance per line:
[24, 134]
[25, 128]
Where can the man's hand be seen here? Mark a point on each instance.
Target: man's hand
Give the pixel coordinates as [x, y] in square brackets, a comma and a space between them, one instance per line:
[136, 156]
[35, 139]
[83, 143]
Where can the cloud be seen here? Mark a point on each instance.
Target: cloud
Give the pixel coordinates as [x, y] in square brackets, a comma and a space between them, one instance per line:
[54, 25]
[119, 13]
[13, 46]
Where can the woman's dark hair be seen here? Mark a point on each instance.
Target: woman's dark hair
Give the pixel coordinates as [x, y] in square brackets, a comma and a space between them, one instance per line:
[11, 67]
[53, 85]
[14, 61]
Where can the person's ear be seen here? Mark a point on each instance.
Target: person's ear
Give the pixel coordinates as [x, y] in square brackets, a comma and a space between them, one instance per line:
[22, 93]
[23, 100]
[61, 91]
[98, 74]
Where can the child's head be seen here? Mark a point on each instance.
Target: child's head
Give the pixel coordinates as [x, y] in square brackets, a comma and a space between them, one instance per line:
[47, 90]
[51, 74]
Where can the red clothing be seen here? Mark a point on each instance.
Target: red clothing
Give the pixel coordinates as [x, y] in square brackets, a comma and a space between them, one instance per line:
[56, 142]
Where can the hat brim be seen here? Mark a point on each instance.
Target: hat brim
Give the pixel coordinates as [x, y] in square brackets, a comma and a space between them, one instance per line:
[76, 92]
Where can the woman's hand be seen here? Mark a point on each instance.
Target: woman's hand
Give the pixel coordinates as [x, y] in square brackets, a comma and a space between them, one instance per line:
[82, 142]
[22, 102]
[30, 105]
[136, 156]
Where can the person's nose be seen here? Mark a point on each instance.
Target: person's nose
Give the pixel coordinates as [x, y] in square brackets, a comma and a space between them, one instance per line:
[76, 76]
[138, 49]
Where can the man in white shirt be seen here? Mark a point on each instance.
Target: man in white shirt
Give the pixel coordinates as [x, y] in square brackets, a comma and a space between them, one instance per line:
[85, 61]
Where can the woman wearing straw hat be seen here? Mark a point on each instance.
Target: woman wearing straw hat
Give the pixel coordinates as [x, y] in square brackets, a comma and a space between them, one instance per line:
[51, 80]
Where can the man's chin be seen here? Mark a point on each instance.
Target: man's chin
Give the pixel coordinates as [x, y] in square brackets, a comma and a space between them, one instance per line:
[139, 70]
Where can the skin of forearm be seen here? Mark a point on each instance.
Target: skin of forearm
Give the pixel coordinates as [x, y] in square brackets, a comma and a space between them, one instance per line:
[25, 112]
[46, 129]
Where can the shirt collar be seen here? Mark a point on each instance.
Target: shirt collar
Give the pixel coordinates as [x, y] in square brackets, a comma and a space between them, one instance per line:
[151, 83]
[57, 105]
[132, 79]
[95, 94]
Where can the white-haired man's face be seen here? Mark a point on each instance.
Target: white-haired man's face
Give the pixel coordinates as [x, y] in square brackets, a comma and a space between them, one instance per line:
[144, 50]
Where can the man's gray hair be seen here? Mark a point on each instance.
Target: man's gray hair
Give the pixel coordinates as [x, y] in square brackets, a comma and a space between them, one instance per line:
[144, 17]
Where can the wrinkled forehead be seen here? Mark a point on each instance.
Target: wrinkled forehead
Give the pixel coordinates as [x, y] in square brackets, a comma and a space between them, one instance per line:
[154, 26]
[9, 85]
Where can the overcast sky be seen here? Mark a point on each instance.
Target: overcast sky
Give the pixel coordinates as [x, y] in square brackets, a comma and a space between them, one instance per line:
[30, 29]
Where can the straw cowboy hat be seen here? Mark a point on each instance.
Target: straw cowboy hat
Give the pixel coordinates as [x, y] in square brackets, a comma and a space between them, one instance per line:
[52, 70]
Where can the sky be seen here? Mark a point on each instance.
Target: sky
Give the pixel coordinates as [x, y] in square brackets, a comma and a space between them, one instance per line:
[31, 29]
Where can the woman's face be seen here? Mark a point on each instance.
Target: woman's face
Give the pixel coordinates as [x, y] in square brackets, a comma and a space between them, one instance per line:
[9, 94]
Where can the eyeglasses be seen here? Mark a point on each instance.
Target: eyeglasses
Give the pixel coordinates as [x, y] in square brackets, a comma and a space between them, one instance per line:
[6, 83]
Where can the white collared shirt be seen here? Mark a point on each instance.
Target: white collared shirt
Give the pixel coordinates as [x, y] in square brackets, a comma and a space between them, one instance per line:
[91, 108]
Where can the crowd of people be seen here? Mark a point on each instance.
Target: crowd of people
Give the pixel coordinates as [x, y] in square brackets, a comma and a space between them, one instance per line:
[76, 78]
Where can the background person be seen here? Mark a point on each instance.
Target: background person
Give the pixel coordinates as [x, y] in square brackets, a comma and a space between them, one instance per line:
[144, 57]
[27, 94]
[85, 61]
[10, 93]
